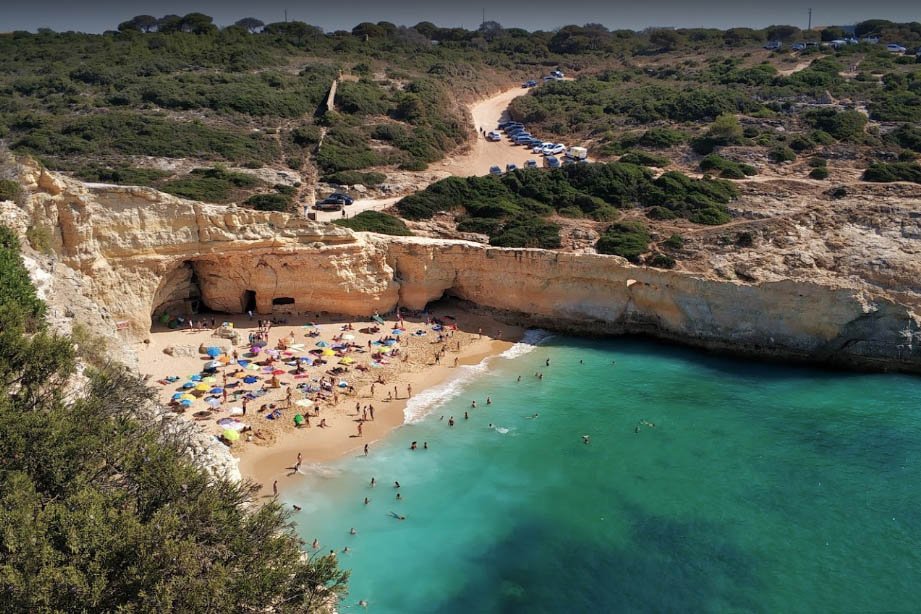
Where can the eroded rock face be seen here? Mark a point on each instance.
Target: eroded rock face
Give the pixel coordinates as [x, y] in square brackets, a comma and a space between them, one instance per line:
[142, 253]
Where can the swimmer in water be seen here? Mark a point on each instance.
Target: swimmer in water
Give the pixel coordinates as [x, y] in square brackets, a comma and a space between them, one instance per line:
[367, 501]
[580, 362]
[519, 378]
[297, 508]
[586, 439]
[425, 445]
[362, 603]
[466, 417]
[397, 516]
[548, 362]
[396, 484]
[399, 497]
[489, 400]
[346, 550]
[353, 531]
[316, 544]
[473, 404]
[373, 482]
[490, 425]
[532, 417]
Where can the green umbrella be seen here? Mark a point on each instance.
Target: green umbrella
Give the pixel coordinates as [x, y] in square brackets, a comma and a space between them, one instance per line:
[230, 435]
[298, 419]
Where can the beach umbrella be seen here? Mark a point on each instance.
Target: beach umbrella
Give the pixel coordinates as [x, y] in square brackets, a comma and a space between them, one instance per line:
[177, 396]
[349, 337]
[213, 402]
[202, 387]
[223, 359]
[216, 390]
[211, 365]
[303, 403]
[298, 419]
[396, 331]
[187, 397]
[328, 352]
[230, 435]
[254, 349]
[278, 372]
[225, 421]
[243, 363]
[210, 379]
[213, 352]
[322, 344]
[390, 342]
[195, 378]
[252, 367]
[346, 361]
[250, 379]
[186, 403]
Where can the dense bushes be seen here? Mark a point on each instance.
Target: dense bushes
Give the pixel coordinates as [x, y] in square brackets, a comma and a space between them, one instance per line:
[727, 169]
[355, 178]
[627, 239]
[843, 125]
[269, 202]
[122, 175]
[644, 158]
[375, 221]
[104, 511]
[10, 190]
[896, 171]
[702, 201]
[215, 185]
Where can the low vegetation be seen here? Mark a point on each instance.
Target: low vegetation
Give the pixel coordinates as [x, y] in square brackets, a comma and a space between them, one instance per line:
[725, 168]
[375, 221]
[627, 239]
[897, 171]
[214, 185]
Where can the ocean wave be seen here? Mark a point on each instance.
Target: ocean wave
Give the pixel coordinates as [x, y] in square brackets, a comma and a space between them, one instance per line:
[419, 406]
[320, 470]
[529, 342]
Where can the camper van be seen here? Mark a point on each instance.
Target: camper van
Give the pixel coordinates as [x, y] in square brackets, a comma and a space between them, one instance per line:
[577, 153]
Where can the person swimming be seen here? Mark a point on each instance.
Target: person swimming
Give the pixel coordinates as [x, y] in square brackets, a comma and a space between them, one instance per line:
[473, 404]
[353, 531]
[396, 484]
[297, 508]
[397, 516]
[489, 400]
[399, 497]
[373, 482]
[531, 417]
[367, 501]
[586, 439]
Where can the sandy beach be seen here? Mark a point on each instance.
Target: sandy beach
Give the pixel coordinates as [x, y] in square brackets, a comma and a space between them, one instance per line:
[426, 354]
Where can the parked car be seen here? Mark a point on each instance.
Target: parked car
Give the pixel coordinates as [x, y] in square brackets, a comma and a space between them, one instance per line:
[495, 170]
[494, 136]
[798, 47]
[339, 197]
[523, 138]
[894, 48]
[552, 162]
[515, 132]
[577, 153]
[328, 205]
[506, 125]
[530, 83]
[538, 148]
[530, 164]
[510, 168]
[554, 149]
[870, 40]
[774, 46]
[533, 142]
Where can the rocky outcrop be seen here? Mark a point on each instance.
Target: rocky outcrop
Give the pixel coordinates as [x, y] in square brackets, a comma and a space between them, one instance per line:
[142, 253]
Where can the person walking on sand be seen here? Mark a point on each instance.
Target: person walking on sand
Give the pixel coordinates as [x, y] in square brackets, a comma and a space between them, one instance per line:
[396, 395]
[275, 488]
[359, 430]
[371, 412]
[366, 453]
[409, 390]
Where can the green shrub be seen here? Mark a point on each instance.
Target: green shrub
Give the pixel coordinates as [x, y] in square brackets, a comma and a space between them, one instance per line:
[674, 242]
[819, 172]
[526, 231]
[375, 221]
[481, 225]
[10, 190]
[269, 202]
[39, 237]
[122, 175]
[214, 185]
[643, 158]
[842, 125]
[661, 213]
[662, 138]
[16, 290]
[661, 261]
[355, 178]
[817, 162]
[781, 153]
[627, 239]
[728, 169]
[745, 239]
[702, 201]
[897, 171]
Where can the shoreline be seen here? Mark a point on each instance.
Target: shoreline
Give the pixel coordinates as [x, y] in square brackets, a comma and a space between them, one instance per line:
[268, 449]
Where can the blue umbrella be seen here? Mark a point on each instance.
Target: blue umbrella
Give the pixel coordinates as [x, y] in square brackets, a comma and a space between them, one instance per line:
[217, 390]
[242, 362]
[396, 331]
[390, 342]
[322, 344]
[213, 352]
[213, 402]
[195, 378]
[186, 403]
[177, 396]
[188, 385]
[249, 379]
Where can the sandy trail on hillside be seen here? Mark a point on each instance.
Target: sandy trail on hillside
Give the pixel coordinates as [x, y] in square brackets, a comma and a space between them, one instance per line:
[475, 160]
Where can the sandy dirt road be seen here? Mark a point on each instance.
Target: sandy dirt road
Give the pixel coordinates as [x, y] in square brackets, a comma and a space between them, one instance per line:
[476, 160]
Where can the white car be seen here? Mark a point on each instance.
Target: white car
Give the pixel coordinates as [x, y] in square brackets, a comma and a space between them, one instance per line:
[494, 136]
[892, 47]
[553, 149]
[539, 148]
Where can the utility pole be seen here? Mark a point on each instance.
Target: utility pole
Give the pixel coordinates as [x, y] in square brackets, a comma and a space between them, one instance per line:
[484, 18]
[286, 15]
[809, 28]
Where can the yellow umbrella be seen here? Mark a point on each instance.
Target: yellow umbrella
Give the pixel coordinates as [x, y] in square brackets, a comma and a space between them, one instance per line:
[346, 361]
[203, 387]
[230, 435]
[328, 352]
[210, 379]
[253, 366]
[187, 397]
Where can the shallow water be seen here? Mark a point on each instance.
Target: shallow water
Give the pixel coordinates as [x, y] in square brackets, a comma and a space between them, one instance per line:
[760, 488]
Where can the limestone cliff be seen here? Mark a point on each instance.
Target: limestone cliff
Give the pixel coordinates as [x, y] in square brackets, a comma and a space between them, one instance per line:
[141, 253]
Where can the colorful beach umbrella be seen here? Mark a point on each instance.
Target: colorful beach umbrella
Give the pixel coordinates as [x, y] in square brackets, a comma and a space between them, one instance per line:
[347, 361]
[252, 367]
[202, 387]
[396, 331]
[303, 403]
[212, 364]
[216, 390]
[230, 435]
[250, 379]
[195, 378]
[278, 372]
[187, 397]
[186, 403]
[328, 352]
[298, 419]
[213, 352]
[213, 402]
[322, 344]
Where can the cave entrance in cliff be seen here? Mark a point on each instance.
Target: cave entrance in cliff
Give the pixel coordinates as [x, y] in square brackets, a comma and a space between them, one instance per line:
[177, 295]
[249, 300]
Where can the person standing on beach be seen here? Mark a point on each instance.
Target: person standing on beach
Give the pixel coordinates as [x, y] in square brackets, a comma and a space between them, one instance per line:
[409, 390]
[396, 395]
[275, 488]
[372, 390]
[359, 430]
[366, 453]
[371, 412]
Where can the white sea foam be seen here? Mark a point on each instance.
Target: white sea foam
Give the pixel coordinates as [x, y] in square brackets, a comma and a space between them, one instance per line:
[529, 342]
[501, 430]
[419, 406]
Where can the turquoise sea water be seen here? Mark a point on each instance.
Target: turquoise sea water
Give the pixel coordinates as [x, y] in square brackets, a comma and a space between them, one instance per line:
[761, 488]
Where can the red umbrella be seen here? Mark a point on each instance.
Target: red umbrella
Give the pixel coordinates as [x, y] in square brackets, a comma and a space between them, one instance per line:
[278, 372]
